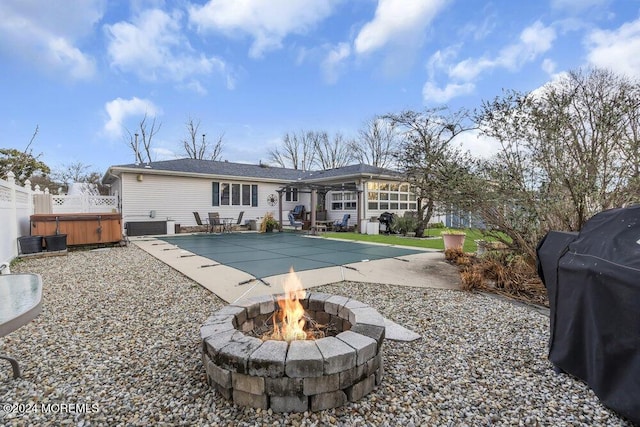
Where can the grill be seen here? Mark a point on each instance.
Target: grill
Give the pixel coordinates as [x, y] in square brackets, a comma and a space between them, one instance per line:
[385, 219]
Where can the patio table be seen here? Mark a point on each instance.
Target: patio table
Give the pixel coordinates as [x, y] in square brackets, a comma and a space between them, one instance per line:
[321, 226]
[226, 224]
[20, 303]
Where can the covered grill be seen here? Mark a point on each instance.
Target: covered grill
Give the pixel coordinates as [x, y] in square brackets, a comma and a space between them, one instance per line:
[385, 219]
[593, 282]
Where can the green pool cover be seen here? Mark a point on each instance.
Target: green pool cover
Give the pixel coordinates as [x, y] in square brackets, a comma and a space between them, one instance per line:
[268, 254]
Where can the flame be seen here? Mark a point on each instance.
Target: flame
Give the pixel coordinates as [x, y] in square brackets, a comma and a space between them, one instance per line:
[290, 322]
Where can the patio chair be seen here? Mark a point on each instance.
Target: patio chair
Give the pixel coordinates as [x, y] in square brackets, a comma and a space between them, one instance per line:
[215, 221]
[292, 221]
[239, 222]
[200, 222]
[342, 225]
[298, 212]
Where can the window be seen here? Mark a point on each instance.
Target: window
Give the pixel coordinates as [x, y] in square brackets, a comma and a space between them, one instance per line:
[391, 196]
[215, 194]
[225, 194]
[235, 194]
[344, 201]
[246, 194]
[254, 195]
[291, 195]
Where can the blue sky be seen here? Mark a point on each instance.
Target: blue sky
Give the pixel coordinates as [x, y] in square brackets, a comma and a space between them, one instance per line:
[84, 71]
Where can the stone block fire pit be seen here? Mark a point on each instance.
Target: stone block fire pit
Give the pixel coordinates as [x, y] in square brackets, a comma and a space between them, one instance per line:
[313, 374]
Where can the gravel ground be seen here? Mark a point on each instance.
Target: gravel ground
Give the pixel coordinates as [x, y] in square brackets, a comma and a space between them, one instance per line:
[118, 343]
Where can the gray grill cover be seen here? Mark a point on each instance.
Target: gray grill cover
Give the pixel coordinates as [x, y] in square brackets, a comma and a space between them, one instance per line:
[593, 282]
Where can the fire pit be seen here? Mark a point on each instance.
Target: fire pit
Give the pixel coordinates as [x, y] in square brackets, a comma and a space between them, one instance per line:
[336, 360]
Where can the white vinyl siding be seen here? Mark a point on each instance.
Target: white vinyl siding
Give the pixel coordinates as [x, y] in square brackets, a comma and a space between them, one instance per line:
[178, 197]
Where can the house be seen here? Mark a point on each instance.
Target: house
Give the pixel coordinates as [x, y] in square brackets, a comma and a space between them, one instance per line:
[174, 189]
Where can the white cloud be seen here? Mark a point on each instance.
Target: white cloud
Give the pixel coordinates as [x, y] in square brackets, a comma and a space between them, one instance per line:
[618, 50]
[334, 61]
[46, 33]
[483, 29]
[441, 58]
[576, 5]
[478, 144]
[469, 69]
[119, 110]
[549, 66]
[534, 41]
[153, 48]
[433, 94]
[267, 22]
[396, 20]
[161, 153]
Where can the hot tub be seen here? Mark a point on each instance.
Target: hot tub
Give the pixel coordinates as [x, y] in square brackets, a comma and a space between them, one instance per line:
[80, 228]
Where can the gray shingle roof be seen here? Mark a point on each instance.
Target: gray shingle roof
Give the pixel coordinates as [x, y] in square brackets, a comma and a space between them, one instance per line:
[209, 167]
[350, 170]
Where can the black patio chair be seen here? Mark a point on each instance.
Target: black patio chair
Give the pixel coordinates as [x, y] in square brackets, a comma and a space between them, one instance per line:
[215, 221]
[201, 223]
[239, 222]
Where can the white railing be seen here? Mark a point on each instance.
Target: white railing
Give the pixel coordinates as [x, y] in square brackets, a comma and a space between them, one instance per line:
[86, 203]
[16, 206]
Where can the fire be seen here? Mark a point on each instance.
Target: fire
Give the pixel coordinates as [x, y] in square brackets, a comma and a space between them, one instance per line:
[290, 322]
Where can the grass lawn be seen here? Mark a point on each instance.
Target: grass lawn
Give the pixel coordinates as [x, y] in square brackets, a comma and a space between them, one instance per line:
[392, 239]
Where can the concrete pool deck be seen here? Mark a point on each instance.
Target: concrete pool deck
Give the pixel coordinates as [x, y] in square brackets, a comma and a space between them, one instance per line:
[426, 269]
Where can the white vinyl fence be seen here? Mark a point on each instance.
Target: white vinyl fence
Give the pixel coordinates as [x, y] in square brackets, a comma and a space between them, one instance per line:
[86, 203]
[17, 206]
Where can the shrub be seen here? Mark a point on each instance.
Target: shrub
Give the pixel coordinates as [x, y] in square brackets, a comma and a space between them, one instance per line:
[504, 273]
[472, 278]
[453, 254]
[452, 231]
[269, 223]
[404, 224]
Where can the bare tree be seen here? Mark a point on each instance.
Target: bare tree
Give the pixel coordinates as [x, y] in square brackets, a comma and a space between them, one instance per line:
[333, 153]
[568, 151]
[72, 172]
[298, 150]
[196, 148]
[376, 144]
[437, 170]
[23, 164]
[78, 172]
[143, 135]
